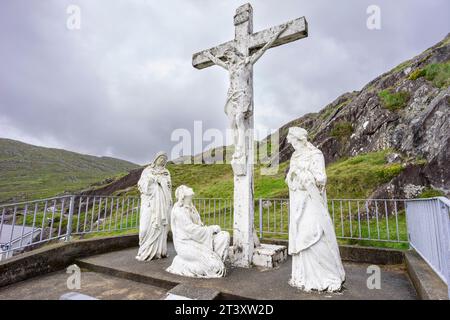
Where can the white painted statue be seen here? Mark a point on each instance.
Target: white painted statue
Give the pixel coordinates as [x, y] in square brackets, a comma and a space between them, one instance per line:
[156, 202]
[316, 262]
[201, 250]
[239, 105]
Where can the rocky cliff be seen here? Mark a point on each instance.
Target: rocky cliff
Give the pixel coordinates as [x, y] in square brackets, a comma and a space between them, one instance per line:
[405, 110]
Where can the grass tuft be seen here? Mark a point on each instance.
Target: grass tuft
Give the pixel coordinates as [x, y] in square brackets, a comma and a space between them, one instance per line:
[393, 100]
[342, 130]
[437, 73]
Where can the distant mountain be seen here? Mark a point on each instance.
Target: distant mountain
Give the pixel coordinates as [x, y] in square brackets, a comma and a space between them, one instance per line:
[29, 172]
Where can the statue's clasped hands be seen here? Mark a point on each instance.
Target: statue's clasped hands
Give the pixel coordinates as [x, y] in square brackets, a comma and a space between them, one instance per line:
[215, 229]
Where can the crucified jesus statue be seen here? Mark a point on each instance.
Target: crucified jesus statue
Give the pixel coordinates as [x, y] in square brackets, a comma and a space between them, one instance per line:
[239, 105]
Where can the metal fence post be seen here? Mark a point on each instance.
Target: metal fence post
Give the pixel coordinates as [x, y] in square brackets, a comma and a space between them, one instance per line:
[260, 219]
[70, 218]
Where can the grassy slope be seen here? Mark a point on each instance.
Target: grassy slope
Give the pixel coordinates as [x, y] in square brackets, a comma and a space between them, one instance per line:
[29, 172]
[355, 177]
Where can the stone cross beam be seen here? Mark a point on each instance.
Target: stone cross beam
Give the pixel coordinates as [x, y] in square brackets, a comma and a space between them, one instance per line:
[237, 57]
[297, 29]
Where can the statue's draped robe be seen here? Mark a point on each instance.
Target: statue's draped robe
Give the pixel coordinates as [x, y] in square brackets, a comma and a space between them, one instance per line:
[316, 262]
[156, 200]
[200, 253]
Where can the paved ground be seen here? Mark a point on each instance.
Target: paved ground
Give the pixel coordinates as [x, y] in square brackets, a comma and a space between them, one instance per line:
[118, 275]
[100, 286]
[255, 283]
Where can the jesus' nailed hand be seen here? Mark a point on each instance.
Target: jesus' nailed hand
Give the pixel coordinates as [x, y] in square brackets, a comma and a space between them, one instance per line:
[232, 56]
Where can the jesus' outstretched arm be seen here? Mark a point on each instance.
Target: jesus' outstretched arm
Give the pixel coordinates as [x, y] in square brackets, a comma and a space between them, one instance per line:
[215, 60]
[259, 53]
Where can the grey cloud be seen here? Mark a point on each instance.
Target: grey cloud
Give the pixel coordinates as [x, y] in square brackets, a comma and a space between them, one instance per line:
[124, 82]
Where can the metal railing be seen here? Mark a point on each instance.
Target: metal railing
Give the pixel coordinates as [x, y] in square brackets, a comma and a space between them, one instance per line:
[26, 225]
[429, 233]
[423, 223]
[379, 220]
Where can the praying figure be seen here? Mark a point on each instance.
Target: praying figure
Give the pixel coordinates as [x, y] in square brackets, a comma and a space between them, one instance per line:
[239, 105]
[156, 202]
[201, 250]
[316, 262]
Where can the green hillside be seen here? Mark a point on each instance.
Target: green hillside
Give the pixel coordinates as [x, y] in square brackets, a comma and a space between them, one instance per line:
[355, 177]
[30, 172]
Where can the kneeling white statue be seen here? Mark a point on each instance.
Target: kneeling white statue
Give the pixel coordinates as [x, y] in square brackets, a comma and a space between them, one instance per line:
[201, 250]
[316, 262]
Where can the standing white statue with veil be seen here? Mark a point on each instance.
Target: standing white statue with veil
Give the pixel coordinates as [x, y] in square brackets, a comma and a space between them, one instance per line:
[201, 250]
[316, 262]
[156, 202]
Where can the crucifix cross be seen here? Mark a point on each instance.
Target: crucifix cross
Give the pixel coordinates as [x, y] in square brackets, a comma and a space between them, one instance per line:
[247, 41]
[237, 57]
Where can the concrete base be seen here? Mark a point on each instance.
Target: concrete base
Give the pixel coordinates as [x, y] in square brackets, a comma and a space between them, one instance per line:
[269, 255]
[427, 283]
[118, 275]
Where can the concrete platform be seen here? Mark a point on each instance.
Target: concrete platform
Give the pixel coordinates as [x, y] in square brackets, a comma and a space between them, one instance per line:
[255, 283]
[101, 286]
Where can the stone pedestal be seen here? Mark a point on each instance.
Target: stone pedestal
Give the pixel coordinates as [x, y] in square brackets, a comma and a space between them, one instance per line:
[269, 255]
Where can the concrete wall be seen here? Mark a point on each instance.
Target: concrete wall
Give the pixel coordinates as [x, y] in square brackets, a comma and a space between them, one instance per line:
[58, 256]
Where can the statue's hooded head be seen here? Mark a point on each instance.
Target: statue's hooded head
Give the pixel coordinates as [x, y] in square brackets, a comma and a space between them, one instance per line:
[298, 137]
[184, 195]
[160, 160]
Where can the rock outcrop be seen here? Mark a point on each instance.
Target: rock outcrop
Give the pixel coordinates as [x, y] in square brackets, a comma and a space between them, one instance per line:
[406, 110]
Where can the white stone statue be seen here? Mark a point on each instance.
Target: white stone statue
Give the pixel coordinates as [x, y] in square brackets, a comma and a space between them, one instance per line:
[239, 105]
[156, 202]
[201, 250]
[238, 56]
[316, 262]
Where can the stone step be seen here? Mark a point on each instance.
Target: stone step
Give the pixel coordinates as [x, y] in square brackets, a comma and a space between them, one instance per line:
[137, 277]
[176, 291]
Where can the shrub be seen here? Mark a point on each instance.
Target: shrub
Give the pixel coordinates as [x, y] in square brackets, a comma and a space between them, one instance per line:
[431, 193]
[393, 100]
[342, 130]
[437, 73]
[416, 74]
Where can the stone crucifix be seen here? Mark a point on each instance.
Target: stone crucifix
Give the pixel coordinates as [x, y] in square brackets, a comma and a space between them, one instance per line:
[237, 57]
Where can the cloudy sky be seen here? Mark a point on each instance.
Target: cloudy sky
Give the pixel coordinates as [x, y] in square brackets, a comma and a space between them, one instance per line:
[122, 83]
